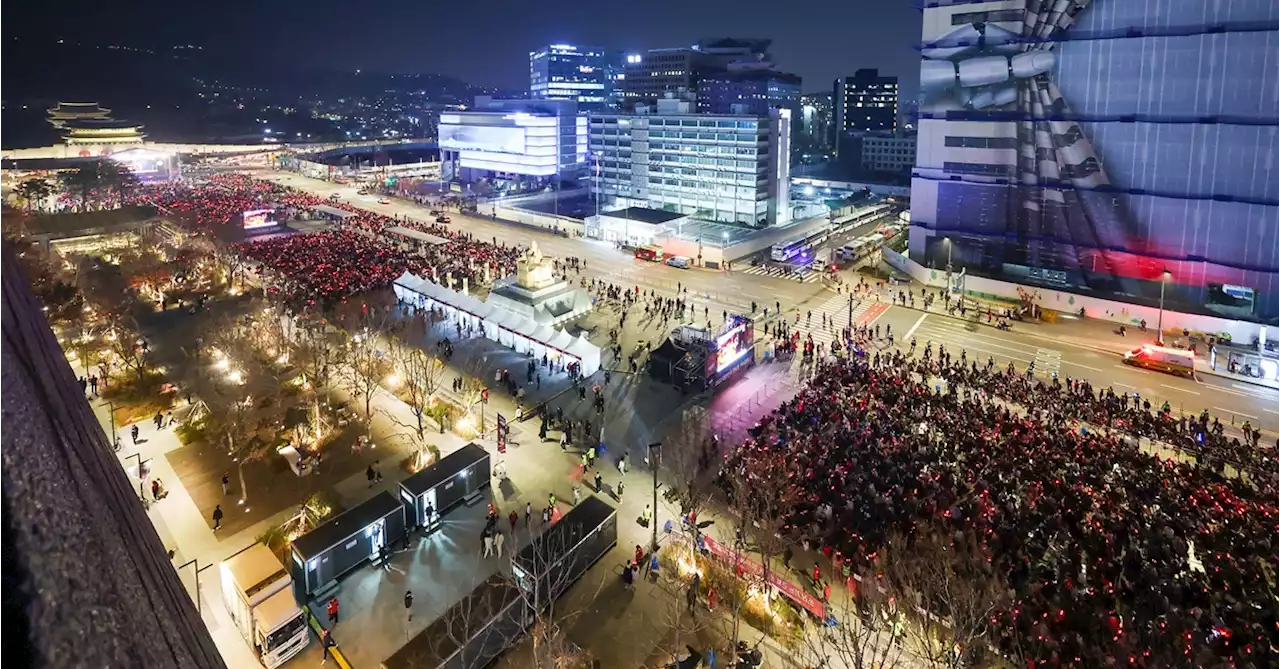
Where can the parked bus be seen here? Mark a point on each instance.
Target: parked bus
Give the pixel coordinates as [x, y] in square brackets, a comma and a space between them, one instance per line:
[650, 253]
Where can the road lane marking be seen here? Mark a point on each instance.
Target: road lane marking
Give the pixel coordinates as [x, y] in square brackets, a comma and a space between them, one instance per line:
[1235, 413]
[913, 327]
[1123, 385]
[1181, 390]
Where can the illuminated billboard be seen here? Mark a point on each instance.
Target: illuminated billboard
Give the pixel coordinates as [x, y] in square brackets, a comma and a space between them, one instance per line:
[482, 138]
[1092, 146]
[257, 219]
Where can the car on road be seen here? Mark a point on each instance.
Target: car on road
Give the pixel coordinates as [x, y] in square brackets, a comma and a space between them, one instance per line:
[435, 212]
[1163, 359]
[681, 262]
[442, 219]
[383, 200]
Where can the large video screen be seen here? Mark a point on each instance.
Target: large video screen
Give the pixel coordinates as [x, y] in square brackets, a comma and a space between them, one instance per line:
[482, 138]
[1091, 150]
[258, 219]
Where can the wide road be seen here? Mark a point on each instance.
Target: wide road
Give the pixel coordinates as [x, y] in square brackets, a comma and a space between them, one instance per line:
[1230, 400]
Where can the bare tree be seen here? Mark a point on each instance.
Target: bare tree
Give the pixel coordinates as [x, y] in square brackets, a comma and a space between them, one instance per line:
[420, 374]
[952, 594]
[866, 636]
[689, 460]
[366, 367]
[519, 615]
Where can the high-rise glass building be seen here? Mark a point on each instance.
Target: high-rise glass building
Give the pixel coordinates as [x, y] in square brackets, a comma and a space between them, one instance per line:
[749, 92]
[865, 102]
[567, 72]
[1124, 150]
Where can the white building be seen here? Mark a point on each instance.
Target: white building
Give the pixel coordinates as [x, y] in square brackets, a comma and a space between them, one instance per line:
[514, 140]
[720, 167]
[888, 153]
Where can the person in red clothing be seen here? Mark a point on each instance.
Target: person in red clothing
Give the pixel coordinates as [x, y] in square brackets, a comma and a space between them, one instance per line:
[332, 609]
[713, 597]
[639, 554]
[817, 573]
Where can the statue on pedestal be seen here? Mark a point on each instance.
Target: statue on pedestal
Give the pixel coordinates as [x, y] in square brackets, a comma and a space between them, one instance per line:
[533, 270]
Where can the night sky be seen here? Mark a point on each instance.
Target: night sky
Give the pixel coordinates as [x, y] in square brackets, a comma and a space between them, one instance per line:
[487, 42]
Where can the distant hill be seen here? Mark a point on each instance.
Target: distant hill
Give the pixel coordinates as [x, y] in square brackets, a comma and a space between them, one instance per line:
[161, 87]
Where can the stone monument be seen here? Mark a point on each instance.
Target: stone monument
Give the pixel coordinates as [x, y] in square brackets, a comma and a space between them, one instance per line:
[536, 293]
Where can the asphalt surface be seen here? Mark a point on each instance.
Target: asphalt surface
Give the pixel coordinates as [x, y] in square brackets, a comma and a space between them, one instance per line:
[1233, 401]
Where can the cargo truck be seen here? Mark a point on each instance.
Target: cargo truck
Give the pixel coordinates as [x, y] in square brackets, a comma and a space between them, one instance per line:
[258, 592]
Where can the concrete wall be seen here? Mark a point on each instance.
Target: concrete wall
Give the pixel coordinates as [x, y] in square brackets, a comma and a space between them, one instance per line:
[573, 226]
[878, 189]
[1109, 310]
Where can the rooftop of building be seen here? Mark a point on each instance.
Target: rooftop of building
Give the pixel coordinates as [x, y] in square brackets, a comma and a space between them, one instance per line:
[79, 108]
[710, 233]
[735, 76]
[101, 124]
[644, 215]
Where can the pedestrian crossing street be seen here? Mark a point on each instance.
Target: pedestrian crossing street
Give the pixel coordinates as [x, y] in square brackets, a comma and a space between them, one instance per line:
[802, 275]
[836, 309]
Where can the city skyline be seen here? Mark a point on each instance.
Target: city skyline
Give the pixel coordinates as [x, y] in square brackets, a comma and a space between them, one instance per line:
[491, 47]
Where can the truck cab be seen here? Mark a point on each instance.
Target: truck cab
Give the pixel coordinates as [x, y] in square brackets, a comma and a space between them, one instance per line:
[258, 593]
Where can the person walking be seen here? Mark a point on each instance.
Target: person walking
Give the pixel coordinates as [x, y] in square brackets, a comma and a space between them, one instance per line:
[217, 517]
[691, 598]
[369, 474]
[528, 513]
[326, 644]
[159, 420]
[577, 494]
[498, 539]
[513, 519]
[408, 603]
[134, 433]
[93, 384]
[488, 545]
[332, 609]
[226, 483]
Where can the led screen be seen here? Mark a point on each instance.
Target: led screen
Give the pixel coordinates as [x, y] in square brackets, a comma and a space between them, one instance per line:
[482, 138]
[258, 218]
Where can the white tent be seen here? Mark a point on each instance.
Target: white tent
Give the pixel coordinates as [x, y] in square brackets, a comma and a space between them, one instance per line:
[501, 325]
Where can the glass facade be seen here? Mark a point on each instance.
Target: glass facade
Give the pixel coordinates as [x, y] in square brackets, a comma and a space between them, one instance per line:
[751, 92]
[566, 72]
[1091, 151]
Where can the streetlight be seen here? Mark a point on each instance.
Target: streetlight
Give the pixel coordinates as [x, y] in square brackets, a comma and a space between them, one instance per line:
[653, 464]
[1164, 279]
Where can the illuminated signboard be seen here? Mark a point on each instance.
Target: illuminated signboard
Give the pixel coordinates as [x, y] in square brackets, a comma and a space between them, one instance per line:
[482, 138]
[257, 219]
[732, 346]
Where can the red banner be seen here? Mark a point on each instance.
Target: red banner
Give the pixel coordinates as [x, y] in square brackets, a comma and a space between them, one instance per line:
[744, 565]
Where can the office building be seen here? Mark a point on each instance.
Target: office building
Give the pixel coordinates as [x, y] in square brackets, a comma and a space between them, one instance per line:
[1068, 164]
[518, 142]
[878, 152]
[815, 120]
[749, 92]
[865, 102]
[651, 75]
[567, 72]
[718, 167]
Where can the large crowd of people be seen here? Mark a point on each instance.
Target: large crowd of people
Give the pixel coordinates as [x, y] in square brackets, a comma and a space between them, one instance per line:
[320, 268]
[1112, 555]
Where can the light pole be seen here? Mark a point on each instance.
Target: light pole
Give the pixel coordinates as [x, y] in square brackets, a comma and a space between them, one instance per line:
[949, 246]
[1164, 279]
[653, 464]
